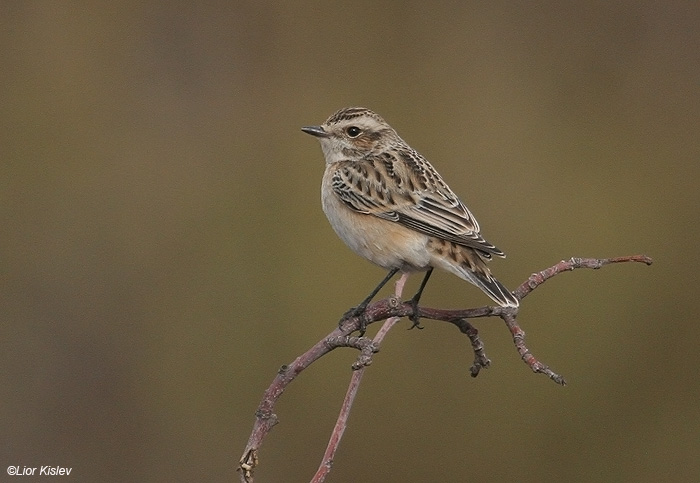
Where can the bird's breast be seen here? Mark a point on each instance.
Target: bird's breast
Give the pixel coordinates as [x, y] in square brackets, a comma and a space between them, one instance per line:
[382, 242]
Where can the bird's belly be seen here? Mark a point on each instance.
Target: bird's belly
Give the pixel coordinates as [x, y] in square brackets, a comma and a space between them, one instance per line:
[382, 242]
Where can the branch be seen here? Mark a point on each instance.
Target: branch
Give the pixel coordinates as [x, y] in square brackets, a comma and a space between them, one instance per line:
[342, 421]
[391, 309]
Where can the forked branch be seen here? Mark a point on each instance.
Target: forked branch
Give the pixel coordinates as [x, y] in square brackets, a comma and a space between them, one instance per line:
[390, 310]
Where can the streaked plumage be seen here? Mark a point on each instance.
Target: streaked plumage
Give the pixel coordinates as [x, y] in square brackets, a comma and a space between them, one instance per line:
[389, 204]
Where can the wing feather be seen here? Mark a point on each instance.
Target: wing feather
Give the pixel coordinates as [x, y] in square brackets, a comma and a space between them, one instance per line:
[406, 189]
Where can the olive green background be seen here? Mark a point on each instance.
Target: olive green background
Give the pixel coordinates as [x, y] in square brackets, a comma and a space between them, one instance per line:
[163, 250]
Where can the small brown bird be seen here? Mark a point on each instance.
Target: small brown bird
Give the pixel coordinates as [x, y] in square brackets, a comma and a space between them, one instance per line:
[389, 205]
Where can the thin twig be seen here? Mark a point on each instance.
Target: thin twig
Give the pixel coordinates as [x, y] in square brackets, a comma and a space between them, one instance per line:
[342, 421]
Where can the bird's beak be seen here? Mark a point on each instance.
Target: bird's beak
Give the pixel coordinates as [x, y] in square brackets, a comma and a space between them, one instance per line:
[317, 131]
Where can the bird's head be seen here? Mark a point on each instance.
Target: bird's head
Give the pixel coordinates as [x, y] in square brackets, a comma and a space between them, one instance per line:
[353, 133]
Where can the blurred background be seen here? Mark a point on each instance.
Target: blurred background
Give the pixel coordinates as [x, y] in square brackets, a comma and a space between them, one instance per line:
[163, 249]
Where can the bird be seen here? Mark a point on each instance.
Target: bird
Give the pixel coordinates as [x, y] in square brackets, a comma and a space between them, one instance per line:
[391, 206]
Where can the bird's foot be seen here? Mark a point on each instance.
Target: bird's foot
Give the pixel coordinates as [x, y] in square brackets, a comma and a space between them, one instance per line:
[359, 312]
[415, 317]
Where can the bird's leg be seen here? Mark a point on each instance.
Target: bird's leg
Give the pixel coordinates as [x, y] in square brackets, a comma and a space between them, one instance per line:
[355, 311]
[415, 318]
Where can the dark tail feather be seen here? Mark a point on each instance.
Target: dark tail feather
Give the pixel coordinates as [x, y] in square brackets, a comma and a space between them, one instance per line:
[467, 264]
[496, 290]
[490, 286]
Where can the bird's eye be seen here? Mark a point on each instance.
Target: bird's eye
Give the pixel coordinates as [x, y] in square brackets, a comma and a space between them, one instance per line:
[353, 131]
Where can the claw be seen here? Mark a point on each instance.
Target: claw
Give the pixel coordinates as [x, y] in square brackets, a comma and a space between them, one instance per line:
[414, 317]
[358, 311]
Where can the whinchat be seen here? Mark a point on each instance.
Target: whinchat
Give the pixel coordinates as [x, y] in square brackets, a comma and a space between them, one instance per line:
[389, 205]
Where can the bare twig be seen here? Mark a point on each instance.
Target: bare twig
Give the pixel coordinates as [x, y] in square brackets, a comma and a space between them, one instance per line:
[342, 421]
[391, 309]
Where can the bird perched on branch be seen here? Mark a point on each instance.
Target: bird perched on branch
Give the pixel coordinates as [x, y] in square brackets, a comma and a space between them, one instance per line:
[390, 205]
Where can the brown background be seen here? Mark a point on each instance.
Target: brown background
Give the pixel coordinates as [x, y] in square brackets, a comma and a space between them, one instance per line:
[163, 250]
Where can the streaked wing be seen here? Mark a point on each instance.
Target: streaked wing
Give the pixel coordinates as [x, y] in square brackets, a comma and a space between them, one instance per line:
[407, 190]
